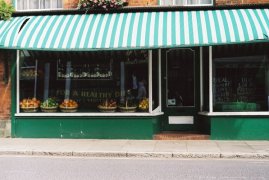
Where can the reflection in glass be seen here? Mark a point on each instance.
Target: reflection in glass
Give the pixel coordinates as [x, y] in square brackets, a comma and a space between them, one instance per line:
[180, 77]
[241, 84]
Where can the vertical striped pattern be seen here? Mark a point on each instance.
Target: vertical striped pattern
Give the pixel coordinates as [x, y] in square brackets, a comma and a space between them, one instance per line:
[137, 30]
[9, 30]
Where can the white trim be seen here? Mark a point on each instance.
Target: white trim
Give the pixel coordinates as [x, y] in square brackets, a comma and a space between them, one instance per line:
[201, 80]
[87, 114]
[210, 81]
[28, 4]
[150, 79]
[257, 113]
[18, 81]
[160, 78]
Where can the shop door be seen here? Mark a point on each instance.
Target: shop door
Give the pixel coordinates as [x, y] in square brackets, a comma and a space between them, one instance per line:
[180, 83]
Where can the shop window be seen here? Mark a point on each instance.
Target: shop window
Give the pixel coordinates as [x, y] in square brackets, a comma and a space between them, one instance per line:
[103, 81]
[240, 84]
[186, 2]
[38, 4]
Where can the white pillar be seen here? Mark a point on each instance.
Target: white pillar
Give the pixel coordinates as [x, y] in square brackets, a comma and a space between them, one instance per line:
[150, 80]
[210, 81]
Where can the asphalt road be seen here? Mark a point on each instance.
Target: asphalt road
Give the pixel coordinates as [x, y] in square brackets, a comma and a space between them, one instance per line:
[50, 168]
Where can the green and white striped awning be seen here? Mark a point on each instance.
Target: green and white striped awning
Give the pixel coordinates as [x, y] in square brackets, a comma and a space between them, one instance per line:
[141, 30]
[9, 30]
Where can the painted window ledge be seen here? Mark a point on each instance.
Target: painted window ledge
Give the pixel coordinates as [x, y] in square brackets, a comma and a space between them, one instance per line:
[87, 114]
[261, 113]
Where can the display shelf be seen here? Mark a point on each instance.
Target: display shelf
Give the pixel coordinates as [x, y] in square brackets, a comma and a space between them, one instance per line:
[84, 71]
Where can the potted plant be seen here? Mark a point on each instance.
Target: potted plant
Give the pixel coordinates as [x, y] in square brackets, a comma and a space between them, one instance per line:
[6, 10]
[101, 4]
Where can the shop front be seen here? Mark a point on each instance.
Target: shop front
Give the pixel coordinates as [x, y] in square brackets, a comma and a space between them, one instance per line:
[102, 94]
[135, 73]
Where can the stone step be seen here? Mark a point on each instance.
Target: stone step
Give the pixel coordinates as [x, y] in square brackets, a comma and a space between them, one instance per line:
[5, 129]
[177, 135]
[2, 132]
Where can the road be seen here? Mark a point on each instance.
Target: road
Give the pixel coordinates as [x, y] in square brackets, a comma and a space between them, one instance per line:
[57, 168]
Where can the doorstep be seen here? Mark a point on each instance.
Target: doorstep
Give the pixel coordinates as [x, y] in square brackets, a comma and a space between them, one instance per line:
[179, 135]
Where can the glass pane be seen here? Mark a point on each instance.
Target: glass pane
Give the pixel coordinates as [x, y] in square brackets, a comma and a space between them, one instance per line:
[20, 4]
[206, 2]
[105, 81]
[60, 4]
[56, 4]
[166, 2]
[34, 4]
[180, 2]
[192, 2]
[180, 77]
[47, 4]
[240, 84]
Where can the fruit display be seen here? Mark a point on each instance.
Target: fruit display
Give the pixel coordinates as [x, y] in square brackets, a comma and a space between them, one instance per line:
[108, 106]
[29, 105]
[49, 105]
[144, 104]
[69, 105]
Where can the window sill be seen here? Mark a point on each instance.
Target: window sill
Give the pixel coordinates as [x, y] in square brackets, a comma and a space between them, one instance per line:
[260, 113]
[87, 114]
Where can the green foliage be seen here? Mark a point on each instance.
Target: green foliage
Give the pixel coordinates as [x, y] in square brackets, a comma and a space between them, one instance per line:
[101, 4]
[6, 10]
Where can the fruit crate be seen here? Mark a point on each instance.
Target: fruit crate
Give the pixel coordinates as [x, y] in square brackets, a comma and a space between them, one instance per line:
[106, 109]
[69, 109]
[127, 109]
[29, 109]
[49, 109]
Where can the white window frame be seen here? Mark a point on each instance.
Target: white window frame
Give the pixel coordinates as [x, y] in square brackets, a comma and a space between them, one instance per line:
[157, 111]
[39, 5]
[185, 3]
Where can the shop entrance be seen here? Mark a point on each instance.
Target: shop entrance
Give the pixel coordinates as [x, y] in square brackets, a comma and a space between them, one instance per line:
[180, 99]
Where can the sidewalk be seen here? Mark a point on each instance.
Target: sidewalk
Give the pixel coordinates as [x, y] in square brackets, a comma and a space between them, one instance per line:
[135, 148]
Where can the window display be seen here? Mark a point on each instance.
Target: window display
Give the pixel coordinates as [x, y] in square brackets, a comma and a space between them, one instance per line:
[103, 81]
[241, 84]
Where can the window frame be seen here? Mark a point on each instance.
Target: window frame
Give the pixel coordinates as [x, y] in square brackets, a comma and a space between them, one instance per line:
[38, 9]
[152, 112]
[185, 3]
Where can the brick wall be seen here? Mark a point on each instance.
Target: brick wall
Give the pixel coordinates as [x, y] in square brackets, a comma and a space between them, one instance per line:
[5, 89]
[70, 4]
[230, 2]
[143, 2]
[8, 1]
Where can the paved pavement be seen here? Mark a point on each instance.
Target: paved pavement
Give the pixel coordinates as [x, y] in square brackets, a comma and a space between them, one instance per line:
[135, 148]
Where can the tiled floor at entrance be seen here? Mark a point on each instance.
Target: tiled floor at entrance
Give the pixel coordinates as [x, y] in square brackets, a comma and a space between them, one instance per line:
[174, 135]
